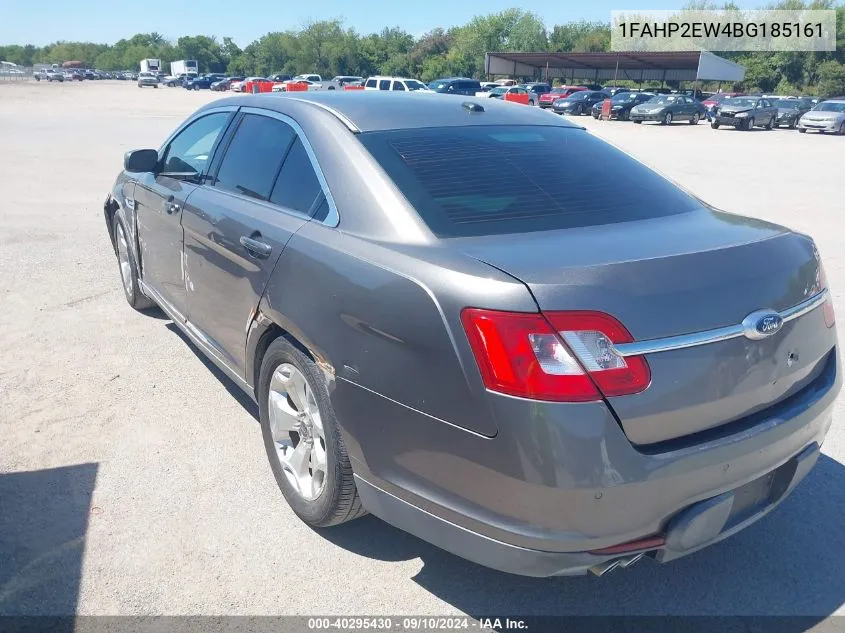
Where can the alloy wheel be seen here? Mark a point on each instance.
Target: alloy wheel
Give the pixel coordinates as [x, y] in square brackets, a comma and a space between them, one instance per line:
[297, 431]
[667, 120]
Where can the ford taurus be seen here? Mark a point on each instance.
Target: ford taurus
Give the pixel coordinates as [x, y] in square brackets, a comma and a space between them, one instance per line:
[545, 384]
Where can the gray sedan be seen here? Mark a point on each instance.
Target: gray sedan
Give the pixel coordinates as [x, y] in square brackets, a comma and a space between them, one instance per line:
[827, 116]
[542, 375]
[744, 113]
[667, 109]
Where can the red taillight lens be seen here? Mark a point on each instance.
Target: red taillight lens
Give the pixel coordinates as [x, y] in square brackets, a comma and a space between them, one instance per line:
[558, 356]
[827, 307]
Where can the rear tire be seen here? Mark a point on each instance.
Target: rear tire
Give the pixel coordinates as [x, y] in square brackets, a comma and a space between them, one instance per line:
[128, 270]
[638, 122]
[771, 124]
[334, 498]
[842, 129]
[802, 130]
[714, 125]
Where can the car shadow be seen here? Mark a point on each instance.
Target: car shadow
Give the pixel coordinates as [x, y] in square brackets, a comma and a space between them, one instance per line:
[234, 390]
[788, 563]
[43, 523]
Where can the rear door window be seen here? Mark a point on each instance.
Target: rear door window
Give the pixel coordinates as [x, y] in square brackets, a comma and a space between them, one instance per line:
[252, 160]
[384, 84]
[297, 187]
[398, 85]
[483, 180]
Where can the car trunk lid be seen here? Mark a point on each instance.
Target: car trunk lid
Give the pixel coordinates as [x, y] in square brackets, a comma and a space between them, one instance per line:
[675, 276]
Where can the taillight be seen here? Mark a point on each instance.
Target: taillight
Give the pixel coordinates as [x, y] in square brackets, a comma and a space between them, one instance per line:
[827, 307]
[558, 356]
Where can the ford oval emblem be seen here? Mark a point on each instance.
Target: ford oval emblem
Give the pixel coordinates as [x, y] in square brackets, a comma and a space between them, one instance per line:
[762, 324]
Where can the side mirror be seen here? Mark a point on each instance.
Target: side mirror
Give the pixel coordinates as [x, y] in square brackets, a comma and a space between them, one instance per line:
[140, 160]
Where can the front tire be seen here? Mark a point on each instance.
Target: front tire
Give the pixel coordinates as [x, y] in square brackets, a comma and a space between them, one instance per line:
[749, 124]
[695, 118]
[128, 270]
[770, 124]
[667, 119]
[802, 130]
[302, 438]
[714, 125]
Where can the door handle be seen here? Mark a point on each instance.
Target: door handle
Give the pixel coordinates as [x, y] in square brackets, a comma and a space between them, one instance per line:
[171, 207]
[256, 247]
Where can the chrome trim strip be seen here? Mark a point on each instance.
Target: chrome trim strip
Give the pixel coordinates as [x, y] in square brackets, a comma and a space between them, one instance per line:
[683, 341]
[339, 115]
[197, 338]
[333, 218]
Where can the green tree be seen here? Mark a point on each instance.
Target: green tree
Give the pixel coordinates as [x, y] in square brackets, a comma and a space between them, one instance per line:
[831, 79]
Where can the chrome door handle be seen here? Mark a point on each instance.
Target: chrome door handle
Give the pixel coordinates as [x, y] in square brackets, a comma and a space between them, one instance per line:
[256, 247]
[171, 207]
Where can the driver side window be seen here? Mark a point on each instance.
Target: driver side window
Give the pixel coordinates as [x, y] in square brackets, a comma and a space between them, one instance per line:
[189, 153]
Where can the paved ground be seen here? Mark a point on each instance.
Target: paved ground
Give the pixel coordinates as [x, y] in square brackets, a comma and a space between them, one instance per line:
[133, 477]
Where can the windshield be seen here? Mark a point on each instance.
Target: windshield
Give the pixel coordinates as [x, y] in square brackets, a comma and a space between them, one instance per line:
[578, 96]
[145, 75]
[786, 104]
[437, 85]
[663, 99]
[499, 91]
[446, 174]
[830, 106]
[413, 84]
[743, 102]
[624, 97]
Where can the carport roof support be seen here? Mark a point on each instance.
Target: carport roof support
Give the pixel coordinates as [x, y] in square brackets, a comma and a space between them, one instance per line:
[635, 66]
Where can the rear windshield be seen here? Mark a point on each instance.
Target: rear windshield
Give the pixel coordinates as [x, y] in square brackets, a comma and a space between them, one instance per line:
[485, 180]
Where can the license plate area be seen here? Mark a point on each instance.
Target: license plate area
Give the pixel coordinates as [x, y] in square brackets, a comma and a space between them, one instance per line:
[754, 496]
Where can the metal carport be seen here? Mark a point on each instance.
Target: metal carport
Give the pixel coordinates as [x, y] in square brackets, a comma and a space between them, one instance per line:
[633, 66]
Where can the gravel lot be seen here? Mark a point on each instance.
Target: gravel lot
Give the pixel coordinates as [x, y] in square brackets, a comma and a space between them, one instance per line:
[133, 478]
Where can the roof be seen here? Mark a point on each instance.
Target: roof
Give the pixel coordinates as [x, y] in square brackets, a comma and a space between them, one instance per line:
[375, 110]
[685, 65]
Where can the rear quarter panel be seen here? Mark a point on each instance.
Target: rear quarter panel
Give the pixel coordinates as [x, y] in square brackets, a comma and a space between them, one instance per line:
[389, 320]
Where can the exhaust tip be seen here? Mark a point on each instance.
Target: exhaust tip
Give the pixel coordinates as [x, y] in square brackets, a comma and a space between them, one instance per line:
[623, 563]
[602, 568]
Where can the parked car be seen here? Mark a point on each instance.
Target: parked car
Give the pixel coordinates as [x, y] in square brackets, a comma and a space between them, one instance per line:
[280, 77]
[53, 74]
[147, 79]
[343, 80]
[399, 84]
[535, 89]
[38, 75]
[744, 113]
[483, 351]
[580, 102]
[711, 102]
[487, 86]
[505, 82]
[202, 82]
[173, 81]
[621, 104]
[613, 91]
[790, 110]
[558, 92]
[668, 108]
[75, 75]
[456, 86]
[499, 92]
[826, 116]
[238, 86]
[224, 84]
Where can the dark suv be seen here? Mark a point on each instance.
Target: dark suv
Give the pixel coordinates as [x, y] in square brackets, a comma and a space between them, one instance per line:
[456, 86]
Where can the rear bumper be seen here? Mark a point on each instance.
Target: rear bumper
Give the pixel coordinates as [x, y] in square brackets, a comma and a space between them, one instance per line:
[693, 528]
[550, 489]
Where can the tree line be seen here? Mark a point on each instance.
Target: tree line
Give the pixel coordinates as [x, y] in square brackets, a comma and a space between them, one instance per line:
[329, 48]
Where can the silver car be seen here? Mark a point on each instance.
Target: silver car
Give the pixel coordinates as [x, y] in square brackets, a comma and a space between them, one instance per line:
[542, 382]
[827, 116]
[148, 79]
